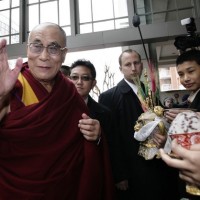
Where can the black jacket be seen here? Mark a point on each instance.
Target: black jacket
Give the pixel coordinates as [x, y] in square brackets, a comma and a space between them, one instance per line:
[101, 113]
[196, 102]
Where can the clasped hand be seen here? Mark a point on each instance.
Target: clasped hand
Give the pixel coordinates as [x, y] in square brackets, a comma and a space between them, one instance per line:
[90, 128]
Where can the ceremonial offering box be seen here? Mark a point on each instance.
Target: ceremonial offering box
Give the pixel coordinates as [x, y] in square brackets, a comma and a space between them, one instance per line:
[186, 129]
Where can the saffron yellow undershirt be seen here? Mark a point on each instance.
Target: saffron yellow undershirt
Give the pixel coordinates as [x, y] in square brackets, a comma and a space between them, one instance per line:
[28, 95]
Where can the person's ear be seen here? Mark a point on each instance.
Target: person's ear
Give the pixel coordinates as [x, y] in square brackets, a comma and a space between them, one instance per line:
[27, 50]
[120, 68]
[142, 66]
[94, 82]
[64, 53]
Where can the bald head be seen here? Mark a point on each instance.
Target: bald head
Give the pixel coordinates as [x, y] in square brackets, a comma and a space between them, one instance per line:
[49, 25]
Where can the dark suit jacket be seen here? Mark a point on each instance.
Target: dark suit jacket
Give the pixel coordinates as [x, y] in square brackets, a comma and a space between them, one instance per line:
[196, 102]
[151, 179]
[101, 113]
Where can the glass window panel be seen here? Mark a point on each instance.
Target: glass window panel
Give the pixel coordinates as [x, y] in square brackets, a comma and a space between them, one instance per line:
[7, 39]
[143, 6]
[85, 13]
[169, 79]
[103, 6]
[12, 62]
[140, 11]
[184, 3]
[14, 39]
[33, 16]
[103, 26]
[33, 1]
[4, 16]
[64, 11]
[147, 19]
[120, 8]
[121, 23]
[86, 28]
[67, 30]
[15, 20]
[3, 30]
[52, 15]
[15, 3]
[4, 4]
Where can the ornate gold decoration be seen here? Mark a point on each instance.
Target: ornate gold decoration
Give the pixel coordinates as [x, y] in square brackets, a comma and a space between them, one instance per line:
[193, 189]
[148, 149]
[152, 113]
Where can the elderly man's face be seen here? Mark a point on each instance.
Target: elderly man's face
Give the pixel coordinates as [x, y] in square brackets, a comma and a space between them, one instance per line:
[45, 66]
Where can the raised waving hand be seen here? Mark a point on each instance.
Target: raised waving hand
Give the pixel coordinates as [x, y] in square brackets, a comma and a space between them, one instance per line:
[8, 77]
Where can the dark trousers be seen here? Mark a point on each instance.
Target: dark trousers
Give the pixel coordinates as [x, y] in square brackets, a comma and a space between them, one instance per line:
[124, 195]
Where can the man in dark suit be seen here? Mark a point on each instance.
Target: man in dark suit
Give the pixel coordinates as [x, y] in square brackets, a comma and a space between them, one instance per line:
[83, 75]
[135, 177]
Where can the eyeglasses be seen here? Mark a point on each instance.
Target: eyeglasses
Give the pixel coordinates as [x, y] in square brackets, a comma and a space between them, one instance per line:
[83, 78]
[52, 50]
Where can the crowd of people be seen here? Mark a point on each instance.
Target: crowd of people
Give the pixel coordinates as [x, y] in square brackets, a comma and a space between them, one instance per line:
[57, 142]
[169, 102]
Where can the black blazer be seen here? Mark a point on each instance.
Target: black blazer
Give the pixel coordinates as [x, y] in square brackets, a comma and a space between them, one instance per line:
[151, 179]
[196, 102]
[101, 113]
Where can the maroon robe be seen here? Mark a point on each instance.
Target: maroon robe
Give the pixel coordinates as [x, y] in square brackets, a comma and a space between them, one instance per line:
[43, 154]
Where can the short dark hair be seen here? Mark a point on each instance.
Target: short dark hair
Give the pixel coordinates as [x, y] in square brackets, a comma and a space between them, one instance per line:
[191, 55]
[85, 63]
[128, 51]
[65, 70]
